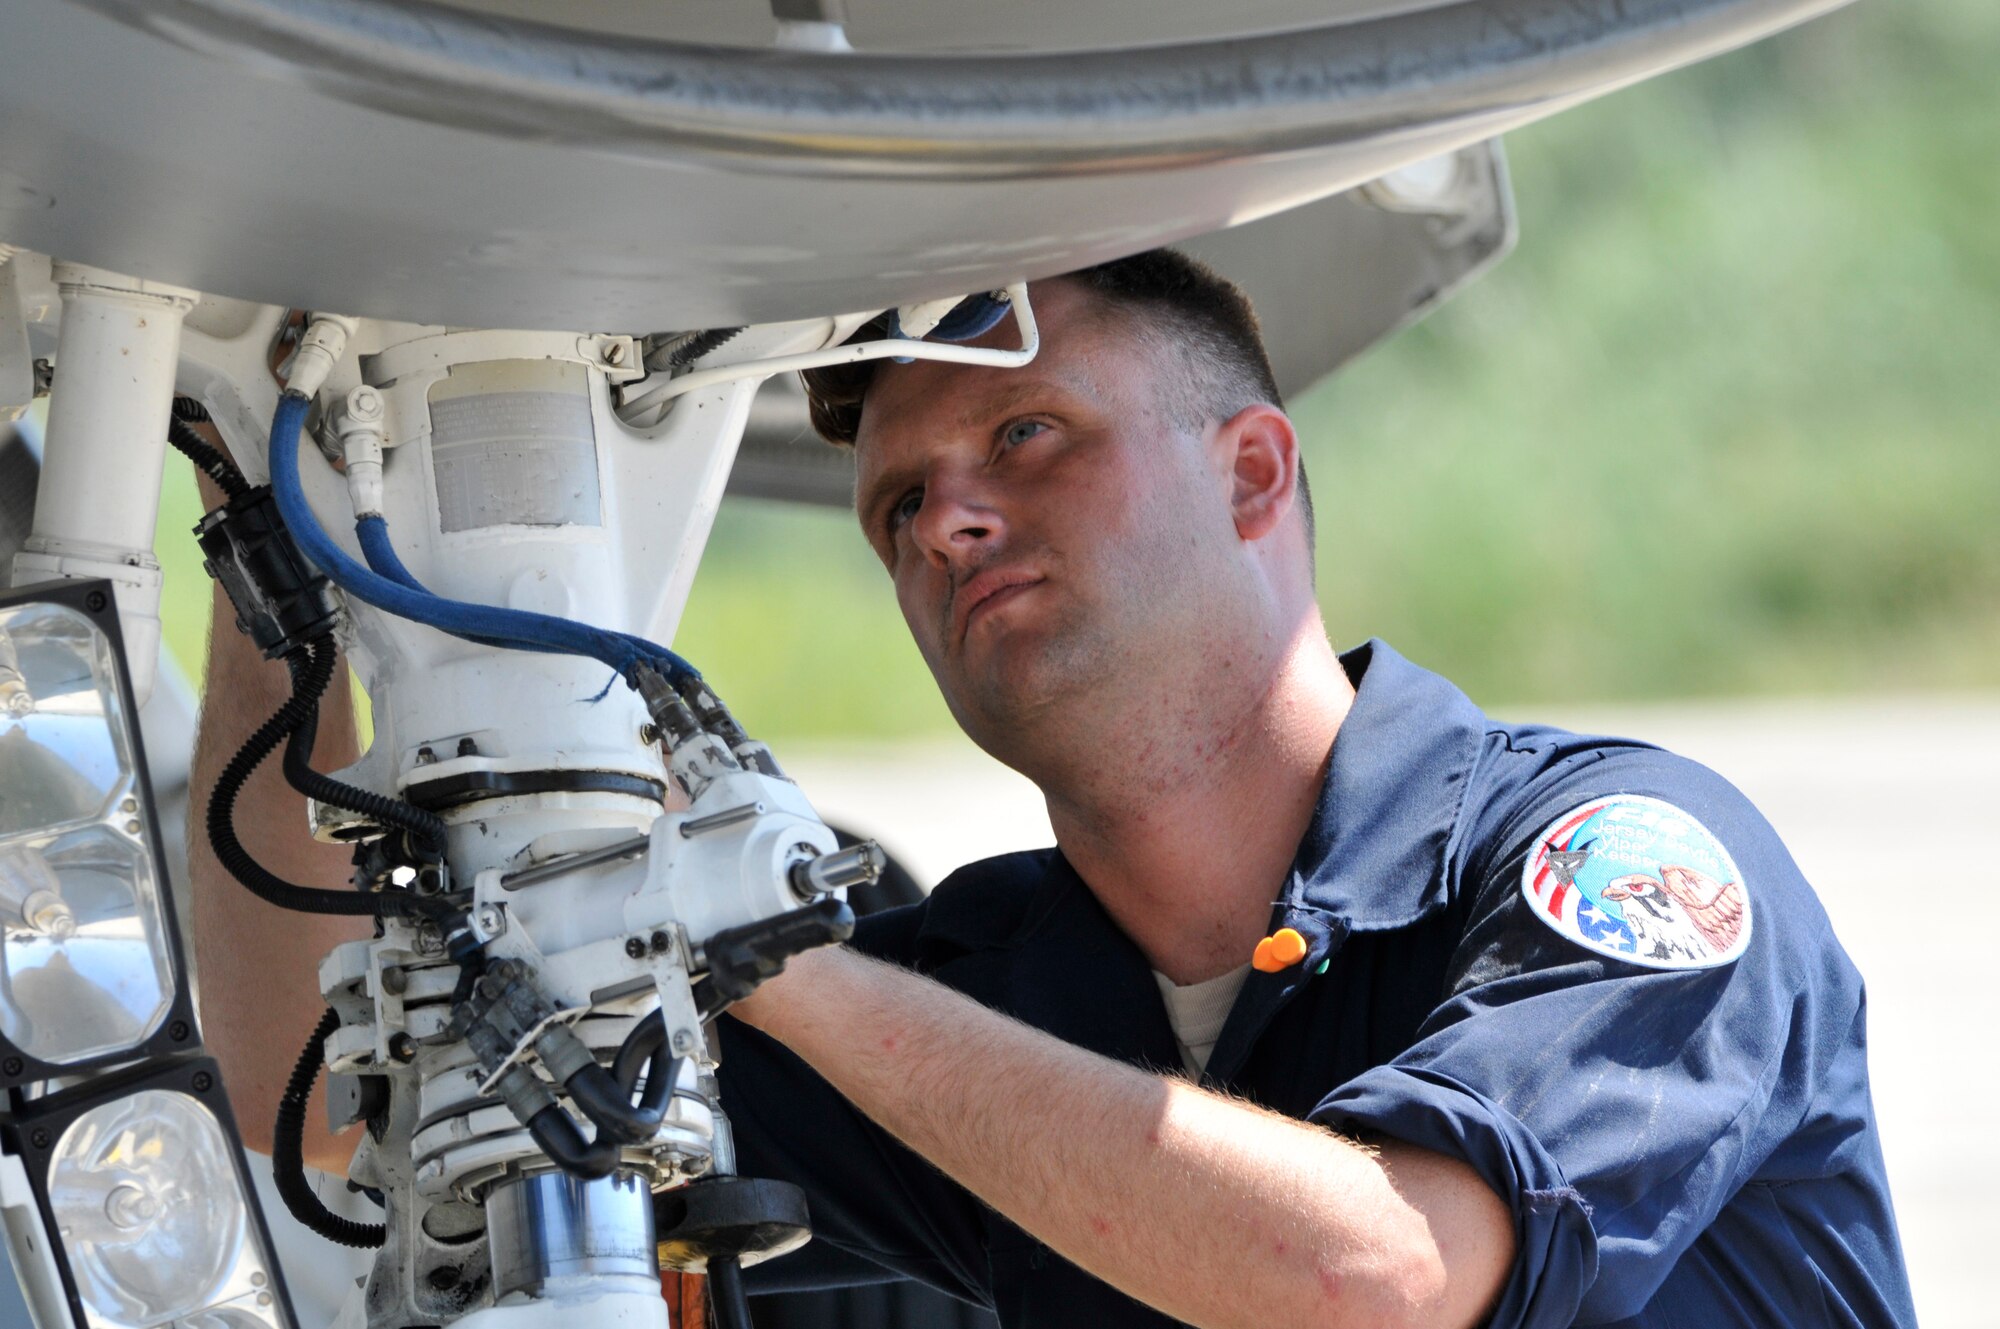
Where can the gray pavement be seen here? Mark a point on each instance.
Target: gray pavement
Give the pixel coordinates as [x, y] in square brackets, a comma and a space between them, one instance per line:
[1889, 806]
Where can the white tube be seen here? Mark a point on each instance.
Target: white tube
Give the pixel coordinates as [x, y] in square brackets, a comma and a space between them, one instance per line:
[849, 353]
[358, 421]
[105, 447]
[106, 438]
[319, 351]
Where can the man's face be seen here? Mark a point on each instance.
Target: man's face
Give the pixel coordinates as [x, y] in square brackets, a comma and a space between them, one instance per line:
[1047, 527]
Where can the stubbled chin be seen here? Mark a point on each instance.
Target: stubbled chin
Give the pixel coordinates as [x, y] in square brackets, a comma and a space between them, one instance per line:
[1022, 674]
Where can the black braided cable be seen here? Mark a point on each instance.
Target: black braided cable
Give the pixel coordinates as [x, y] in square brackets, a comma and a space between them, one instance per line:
[206, 458]
[700, 344]
[288, 1158]
[427, 827]
[309, 685]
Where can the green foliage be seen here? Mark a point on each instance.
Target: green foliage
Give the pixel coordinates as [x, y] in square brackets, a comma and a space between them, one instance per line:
[1722, 424]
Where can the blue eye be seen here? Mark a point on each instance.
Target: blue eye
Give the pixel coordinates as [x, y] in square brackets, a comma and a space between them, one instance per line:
[905, 508]
[1021, 431]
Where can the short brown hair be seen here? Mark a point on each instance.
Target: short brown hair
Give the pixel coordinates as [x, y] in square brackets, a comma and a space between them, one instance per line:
[1189, 307]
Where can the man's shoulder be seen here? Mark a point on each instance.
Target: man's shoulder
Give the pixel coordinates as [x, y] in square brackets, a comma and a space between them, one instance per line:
[977, 906]
[1560, 823]
[1530, 774]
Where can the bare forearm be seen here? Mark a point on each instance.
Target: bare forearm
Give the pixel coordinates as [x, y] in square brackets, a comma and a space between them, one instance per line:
[259, 964]
[1216, 1212]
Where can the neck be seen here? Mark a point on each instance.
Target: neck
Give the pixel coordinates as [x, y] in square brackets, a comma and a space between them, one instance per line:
[1188, 833]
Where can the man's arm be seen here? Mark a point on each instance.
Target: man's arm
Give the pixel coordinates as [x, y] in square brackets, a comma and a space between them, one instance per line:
[260, 964]
[1214, 1211]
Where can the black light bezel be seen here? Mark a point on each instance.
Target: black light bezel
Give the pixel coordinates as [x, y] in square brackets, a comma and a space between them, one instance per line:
[177, 1029]
[30, 1129]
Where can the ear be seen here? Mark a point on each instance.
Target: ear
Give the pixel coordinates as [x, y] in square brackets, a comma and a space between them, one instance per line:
[1261, 450]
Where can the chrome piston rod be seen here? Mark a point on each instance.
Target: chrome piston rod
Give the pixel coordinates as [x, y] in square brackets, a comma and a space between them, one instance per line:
[550, 1228]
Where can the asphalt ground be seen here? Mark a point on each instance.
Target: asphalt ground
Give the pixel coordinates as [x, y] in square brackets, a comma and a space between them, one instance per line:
[1891, 807]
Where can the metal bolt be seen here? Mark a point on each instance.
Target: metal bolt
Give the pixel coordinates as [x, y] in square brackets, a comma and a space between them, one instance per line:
[467, 747]
[202, 1082]
[635, 947]
[443, 1277]
[259, 1279]
[364, 405]
[402, 1047]
[660, 942]
[614, 353]
[40, 1139]
[178, 1031]
[429, 940]
[426, 755]
[394, 981]
[491, 920]
[129, 805]
[132, 826]
[12, 1067]
[683, 1042]
[95, 602]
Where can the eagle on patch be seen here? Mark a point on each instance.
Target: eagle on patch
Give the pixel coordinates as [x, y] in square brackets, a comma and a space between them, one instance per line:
[1640, 880]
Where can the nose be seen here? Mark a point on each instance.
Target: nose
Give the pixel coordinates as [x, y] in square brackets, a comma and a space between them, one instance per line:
[957, 524]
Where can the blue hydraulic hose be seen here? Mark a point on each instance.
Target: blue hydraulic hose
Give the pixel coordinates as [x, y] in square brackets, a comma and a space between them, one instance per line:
[491, 624]
[373, 532]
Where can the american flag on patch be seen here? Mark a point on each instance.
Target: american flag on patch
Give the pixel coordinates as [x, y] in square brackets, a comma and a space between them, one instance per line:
[1555, 894]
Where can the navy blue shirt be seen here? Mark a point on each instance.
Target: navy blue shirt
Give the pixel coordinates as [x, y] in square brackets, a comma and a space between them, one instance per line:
[1679, 1146]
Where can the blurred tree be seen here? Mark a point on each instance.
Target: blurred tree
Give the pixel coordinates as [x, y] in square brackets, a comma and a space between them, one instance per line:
[1722, 424]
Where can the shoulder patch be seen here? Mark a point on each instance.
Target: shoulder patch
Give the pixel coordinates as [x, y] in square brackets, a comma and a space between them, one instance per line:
[1639, 880]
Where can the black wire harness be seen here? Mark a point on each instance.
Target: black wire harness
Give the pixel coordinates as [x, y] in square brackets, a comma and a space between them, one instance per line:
[288, 1164]
[207, 459]
[424, 830]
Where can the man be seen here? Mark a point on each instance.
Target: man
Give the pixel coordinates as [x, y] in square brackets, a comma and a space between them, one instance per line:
[1324, 1010]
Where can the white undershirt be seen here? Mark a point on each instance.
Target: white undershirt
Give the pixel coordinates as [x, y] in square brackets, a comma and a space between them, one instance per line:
[1198, 1011]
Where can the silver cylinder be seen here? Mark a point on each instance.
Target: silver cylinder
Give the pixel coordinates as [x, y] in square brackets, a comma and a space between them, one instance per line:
[551, 1226]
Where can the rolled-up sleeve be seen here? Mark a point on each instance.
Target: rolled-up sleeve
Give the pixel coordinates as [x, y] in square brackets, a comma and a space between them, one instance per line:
[1555, 1246]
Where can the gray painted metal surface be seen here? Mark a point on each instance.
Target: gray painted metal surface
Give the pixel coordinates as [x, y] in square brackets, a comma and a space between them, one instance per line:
[1329, 280]
[431, 164]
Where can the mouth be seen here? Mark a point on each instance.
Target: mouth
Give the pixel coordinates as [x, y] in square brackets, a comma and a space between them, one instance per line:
[988, 591]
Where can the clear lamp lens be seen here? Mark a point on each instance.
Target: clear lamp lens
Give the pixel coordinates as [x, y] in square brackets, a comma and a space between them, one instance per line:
[1440, 184]
[85, 969]
[152, 1216]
